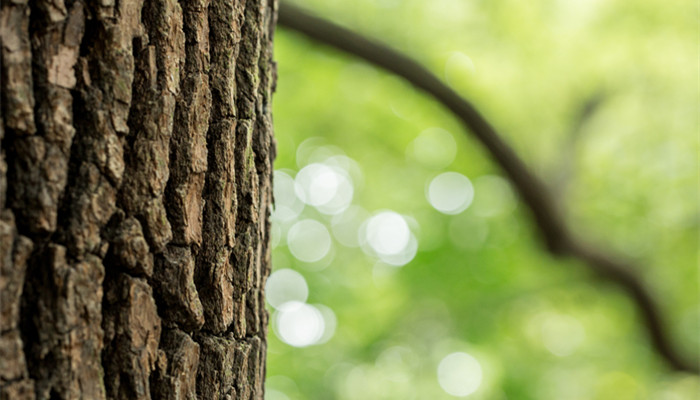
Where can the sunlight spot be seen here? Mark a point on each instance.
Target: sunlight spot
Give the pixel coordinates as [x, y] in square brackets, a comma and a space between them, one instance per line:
[306, 149]
[329, 322]
[348, 167]
[459, 374]
[299, 324]
[308, 240]
[404, 256]
[316, 184]
[327, 188]
[458, 68]
[450, 193]
[433, 148]
[287, 205]
[387, 236]
[285, 285]
[388, 233]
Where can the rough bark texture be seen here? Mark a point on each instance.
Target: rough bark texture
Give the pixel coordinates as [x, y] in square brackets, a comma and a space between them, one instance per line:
[135, 185]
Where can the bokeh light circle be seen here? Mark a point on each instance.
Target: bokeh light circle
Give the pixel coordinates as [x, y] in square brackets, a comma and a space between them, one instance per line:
[328, 188]
[285, 285]
[433, 148]
[287, 204]
[387, 236]
[387, 233]
[450, 193]
[299, 324]
[308, 240]
[459, 374]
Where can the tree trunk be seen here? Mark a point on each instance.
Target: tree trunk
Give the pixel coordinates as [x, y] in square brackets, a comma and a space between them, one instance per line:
[135, 187]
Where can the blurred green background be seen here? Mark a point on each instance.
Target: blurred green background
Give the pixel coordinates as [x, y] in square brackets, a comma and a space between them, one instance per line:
[404, 267]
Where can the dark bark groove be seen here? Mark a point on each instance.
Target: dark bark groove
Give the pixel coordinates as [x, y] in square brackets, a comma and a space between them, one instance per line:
[135, 186]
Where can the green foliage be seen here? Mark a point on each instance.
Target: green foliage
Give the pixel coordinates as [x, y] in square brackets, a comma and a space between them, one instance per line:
[480, 281]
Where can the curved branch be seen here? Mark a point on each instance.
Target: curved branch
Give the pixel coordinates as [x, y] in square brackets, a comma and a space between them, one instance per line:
[565, 168]
[550, 223]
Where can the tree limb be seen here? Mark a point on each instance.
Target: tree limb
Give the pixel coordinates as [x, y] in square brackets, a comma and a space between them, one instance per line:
[534, 193]
[565, 167]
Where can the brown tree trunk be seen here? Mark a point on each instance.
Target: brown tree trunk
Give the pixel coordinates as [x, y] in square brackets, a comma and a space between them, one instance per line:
[135, 186]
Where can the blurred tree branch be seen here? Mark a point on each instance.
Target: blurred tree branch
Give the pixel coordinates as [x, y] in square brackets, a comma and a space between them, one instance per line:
[564, 171]
[559, 238]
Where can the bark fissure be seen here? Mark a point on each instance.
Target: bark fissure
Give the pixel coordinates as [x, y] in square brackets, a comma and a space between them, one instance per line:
[231, 265]
[15, 248]
[213, 271]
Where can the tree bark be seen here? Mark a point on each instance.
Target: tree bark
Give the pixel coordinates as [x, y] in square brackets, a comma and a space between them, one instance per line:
[135, 187]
